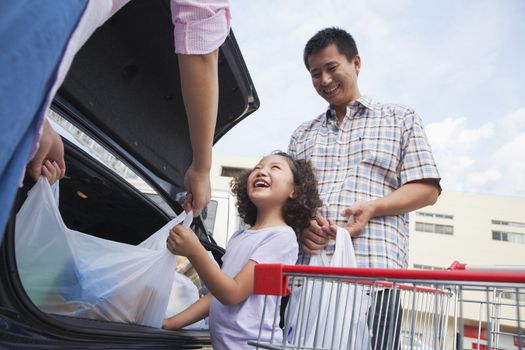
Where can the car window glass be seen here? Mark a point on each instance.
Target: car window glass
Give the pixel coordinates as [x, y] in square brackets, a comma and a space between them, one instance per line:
[78, 137]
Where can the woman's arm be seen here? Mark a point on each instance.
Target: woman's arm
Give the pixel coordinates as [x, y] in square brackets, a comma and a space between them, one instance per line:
[195, 312]
[229, 291]
[200, 91]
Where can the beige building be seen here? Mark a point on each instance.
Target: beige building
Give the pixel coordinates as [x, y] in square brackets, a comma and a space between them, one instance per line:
[475, 229]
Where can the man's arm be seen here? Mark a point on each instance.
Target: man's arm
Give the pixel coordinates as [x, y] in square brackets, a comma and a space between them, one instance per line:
[200, 91]
[418, 174]
[409, 197]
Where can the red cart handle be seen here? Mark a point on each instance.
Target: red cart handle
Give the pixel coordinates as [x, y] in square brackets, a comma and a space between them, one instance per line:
[272, 279]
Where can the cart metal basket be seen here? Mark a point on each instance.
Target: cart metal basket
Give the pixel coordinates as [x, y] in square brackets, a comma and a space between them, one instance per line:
[352, 308]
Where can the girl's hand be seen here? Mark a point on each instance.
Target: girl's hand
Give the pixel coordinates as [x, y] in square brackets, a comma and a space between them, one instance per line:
[183, 241]
[52, 171]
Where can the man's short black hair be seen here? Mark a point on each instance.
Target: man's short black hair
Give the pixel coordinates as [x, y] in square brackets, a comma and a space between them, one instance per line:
[343, 40]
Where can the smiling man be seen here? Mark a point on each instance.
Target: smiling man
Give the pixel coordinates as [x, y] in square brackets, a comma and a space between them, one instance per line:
[373, 163]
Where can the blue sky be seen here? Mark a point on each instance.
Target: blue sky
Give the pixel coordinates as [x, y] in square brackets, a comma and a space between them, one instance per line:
[459, 64]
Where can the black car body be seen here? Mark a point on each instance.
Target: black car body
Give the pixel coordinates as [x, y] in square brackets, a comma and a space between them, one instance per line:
[123, 91]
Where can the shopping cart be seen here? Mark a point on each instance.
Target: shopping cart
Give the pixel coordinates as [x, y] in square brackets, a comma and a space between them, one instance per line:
[353, 308]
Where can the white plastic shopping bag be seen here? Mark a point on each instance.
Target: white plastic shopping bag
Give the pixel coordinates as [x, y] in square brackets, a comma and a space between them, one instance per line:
[67, 272]
[183, 294]
[326, 313]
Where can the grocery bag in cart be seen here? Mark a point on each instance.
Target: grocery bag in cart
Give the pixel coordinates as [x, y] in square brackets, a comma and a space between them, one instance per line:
[71, 273]
[324, 313]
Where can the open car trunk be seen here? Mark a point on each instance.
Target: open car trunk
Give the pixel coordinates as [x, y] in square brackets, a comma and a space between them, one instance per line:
[123, 91]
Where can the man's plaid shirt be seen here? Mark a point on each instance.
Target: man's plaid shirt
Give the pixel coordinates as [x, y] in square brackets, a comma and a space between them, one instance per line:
[376, 149]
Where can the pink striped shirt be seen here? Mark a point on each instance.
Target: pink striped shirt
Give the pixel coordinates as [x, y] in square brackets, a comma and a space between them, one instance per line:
[201, 26]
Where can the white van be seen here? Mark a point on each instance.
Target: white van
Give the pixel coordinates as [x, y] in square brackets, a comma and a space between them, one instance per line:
[221, 217]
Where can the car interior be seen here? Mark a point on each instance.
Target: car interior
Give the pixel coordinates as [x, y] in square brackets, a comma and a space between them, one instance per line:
[94, 200]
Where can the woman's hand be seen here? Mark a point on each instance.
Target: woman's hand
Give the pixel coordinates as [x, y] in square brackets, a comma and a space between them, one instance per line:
[51, 148]
[198, 185]
[52, 171]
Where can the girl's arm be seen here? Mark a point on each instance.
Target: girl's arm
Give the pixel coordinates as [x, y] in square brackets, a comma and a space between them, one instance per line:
[195, 312]
[229, 291]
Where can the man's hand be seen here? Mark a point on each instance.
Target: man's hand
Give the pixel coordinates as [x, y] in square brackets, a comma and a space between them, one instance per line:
[51, 149]
[197, 183]
[183, 241]
[316, 236]
[358, 216]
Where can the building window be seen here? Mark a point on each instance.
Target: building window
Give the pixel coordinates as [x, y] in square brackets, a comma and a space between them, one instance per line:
[444, 229]
[508, 223]
[512, 237]
[512, 296]
[427, 267]
[434, 228]
[229, 171]
[424, 227]
[434, 215]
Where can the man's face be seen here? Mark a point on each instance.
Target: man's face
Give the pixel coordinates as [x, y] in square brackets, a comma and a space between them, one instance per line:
[334, 78]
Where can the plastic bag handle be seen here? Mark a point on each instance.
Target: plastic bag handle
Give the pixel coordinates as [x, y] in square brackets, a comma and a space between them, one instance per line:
[342, 243]
[184, 219]
[188, 219]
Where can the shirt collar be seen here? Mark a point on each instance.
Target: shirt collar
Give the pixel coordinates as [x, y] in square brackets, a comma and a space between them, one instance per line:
[363, 102]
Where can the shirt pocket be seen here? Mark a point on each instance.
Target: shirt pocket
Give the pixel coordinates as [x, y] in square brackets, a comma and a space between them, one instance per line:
[380, 165]
[382, 151]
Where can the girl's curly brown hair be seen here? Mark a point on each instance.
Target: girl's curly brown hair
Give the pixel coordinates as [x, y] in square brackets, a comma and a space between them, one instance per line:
[297, 211]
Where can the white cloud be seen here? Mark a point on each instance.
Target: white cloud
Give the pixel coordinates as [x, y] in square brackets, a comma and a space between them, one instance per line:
[440, 134]
[483, 178]
[452, 133]
[509, 158]
[468, 138]
[514, 122]
[483, 159]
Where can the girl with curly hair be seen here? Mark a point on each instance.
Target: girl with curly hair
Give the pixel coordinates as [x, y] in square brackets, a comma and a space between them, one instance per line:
[277, 198]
